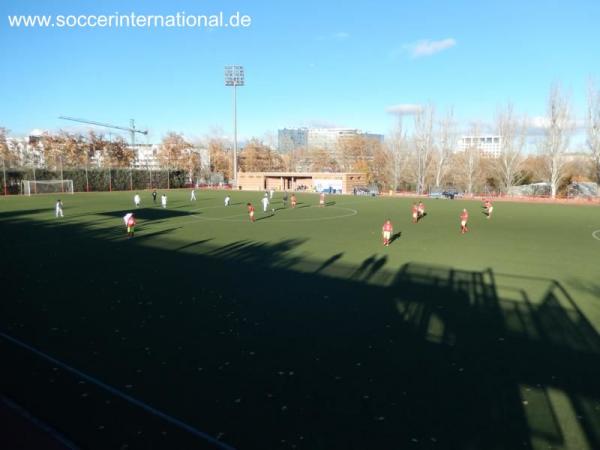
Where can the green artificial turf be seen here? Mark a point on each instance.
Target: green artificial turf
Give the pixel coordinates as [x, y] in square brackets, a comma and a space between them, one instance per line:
[301, 330]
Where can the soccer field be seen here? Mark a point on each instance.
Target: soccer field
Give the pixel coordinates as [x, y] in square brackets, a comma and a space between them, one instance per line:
[301, 331]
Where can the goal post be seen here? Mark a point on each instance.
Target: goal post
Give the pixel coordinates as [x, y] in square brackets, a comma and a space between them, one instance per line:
[29, 187]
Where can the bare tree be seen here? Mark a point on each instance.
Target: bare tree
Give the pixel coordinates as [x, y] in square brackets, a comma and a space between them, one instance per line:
[322, 160]
[557, 135]
[397, 150]
[512, 132]
[190, 161]
[468, 162]
[118, 153]
[220, 157]
[6, 155]
[424, 146]
[593, 127]
[447, 138]
[255, 157]
[172, 151]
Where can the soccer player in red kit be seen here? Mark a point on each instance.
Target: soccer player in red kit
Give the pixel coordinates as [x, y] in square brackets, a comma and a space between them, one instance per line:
[464, 218]
[322, 199]
[420, 211]
[251, 212]
[386, 231]
[415, 213]
[293, 200]
[130, 226]
[489, 208]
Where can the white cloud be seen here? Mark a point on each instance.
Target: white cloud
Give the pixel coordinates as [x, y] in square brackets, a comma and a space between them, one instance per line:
[428, 47]
[404, 109]
[538, 123]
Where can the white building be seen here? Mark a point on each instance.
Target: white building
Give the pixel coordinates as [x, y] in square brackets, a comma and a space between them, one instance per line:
[146, 157]
[323, 138]
[27, 150]
[489, 146]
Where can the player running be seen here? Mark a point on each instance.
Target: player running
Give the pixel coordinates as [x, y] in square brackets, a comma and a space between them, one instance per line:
[130, 226]
[250, 212]
[420, 211]
[415, 213]
[464, 218]
[163, 200]
[59, 208]
[154, 194]
[322, 199]
[386, 232]
[227, 200]
[285, 199]
[193, 196]
[137, 200]
[293, 200]
[489, 208]
[265, 203]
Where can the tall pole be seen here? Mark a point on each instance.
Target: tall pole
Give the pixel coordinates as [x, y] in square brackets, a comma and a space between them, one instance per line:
[132, 126]
[62, 184]
[235, 150]
[234, 77]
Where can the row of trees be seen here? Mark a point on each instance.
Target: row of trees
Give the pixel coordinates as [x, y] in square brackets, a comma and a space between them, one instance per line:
[424, 159]
[428, 157]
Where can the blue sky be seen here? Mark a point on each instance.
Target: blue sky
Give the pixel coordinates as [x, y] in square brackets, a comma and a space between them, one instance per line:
[311, 62]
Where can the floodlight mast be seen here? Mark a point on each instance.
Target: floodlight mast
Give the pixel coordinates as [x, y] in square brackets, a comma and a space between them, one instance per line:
[234, 76]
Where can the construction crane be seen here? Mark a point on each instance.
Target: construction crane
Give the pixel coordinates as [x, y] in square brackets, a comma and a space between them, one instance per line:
[131, 129]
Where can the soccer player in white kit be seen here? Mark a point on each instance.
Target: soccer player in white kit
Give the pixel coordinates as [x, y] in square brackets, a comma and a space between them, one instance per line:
[137, 200]
[193, 196]
[59, 208]
[163, 200]
[227, 200]
[265, 203]
[271, 193]
[126, 218]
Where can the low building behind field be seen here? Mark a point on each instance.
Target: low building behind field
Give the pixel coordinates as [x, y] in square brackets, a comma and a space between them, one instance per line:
[340, 183]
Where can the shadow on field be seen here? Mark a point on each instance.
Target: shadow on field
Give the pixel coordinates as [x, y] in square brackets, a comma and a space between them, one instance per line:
[151, 213]
[264, 351]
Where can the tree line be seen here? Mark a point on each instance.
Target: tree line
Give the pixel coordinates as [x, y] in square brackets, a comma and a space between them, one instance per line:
[424, 159]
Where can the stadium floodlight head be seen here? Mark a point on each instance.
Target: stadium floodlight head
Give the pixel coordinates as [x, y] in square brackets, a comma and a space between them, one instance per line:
[234, 75]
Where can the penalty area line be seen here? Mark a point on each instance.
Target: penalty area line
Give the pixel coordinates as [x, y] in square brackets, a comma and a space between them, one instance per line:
[128, 398]
[596, 235]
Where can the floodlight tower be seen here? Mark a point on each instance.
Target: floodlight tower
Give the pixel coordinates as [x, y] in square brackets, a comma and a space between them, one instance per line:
[234, 76]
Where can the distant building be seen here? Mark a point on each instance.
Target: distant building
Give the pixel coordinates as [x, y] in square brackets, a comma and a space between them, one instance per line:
[290, 139]
[332, 182]
[146, 157]
[28, 151]
[489, 146]
[323, 138]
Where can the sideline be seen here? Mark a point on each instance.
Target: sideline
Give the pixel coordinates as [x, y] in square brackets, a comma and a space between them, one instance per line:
[118, 393]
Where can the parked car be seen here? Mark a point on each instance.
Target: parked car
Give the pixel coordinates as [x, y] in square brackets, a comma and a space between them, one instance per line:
[437, 193]
[372, 190]
[451, 193]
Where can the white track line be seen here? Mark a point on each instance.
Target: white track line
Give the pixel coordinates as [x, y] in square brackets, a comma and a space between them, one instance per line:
[118, 393]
